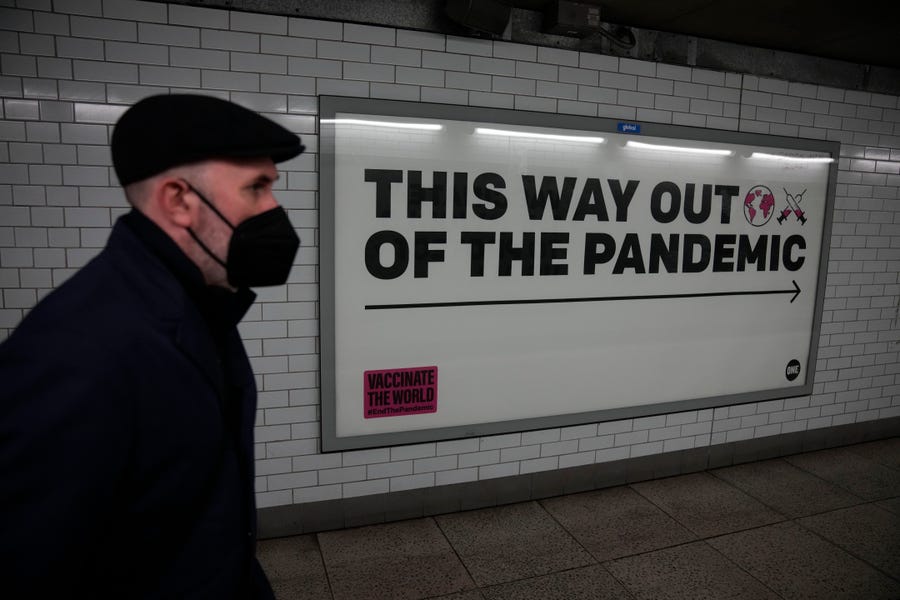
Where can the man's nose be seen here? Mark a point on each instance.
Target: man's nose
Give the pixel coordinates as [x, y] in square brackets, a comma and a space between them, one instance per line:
[268, 203]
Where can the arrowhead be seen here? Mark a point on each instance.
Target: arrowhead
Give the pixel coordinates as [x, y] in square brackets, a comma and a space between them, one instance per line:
[796, 291]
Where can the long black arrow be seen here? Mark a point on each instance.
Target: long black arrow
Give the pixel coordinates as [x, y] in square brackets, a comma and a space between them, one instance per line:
[795, 291]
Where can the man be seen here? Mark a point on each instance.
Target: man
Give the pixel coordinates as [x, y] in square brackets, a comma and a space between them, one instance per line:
[127, 401]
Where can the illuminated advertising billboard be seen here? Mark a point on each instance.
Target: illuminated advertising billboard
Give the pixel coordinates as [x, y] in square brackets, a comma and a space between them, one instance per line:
[486, 271]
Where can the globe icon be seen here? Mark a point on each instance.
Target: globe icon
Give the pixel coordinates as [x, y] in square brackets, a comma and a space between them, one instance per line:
[759, 205]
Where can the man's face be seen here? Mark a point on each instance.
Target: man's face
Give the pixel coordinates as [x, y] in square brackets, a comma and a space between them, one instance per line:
[239, 189]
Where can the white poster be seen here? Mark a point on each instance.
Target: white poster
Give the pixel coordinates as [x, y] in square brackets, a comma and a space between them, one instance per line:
[493, 272]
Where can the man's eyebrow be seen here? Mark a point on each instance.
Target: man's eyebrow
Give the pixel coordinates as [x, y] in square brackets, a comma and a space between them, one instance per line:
[264, 178]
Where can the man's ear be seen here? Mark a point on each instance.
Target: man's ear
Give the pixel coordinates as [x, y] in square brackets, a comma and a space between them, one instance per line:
[172, 198]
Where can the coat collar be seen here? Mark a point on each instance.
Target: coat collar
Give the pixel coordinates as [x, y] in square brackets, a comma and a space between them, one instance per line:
[197, 316]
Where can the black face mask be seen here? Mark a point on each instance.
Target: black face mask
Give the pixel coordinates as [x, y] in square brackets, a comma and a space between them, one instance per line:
[262, 248]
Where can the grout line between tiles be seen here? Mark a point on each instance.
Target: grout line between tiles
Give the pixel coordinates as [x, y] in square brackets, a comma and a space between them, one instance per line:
[742, 569]
[853, 448]
[568, 533]
[701, 536]
[834, 483]
[455, 552]
[325, 568]
[775, 508]
[848, 550]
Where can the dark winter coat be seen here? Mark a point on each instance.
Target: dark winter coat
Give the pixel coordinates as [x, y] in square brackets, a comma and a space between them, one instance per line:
[126, 417]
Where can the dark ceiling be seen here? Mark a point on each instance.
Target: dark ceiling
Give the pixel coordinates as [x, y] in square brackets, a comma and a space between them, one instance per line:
[860, 32]
[852, 45]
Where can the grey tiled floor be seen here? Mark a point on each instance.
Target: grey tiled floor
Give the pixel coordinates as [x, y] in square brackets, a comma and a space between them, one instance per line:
[816, 525]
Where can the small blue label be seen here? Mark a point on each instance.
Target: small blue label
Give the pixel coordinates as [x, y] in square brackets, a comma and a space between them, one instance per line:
[629, 128]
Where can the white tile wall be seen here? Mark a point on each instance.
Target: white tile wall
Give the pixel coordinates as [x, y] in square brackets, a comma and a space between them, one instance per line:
[68, 71]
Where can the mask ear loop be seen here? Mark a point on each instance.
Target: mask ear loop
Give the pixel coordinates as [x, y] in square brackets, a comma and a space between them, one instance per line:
[209, 204]
[218, 214]
[206, 249]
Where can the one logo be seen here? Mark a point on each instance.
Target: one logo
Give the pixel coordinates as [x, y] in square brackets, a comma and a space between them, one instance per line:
[792, 370]
[793, 207]
[759, 205]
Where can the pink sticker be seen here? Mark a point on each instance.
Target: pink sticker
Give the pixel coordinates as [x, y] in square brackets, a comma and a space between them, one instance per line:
[400, 392]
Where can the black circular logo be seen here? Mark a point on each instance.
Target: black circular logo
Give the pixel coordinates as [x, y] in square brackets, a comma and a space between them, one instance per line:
[792, 370]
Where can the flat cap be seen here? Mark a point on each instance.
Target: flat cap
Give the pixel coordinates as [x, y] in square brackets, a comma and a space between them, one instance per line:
[161, 132]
